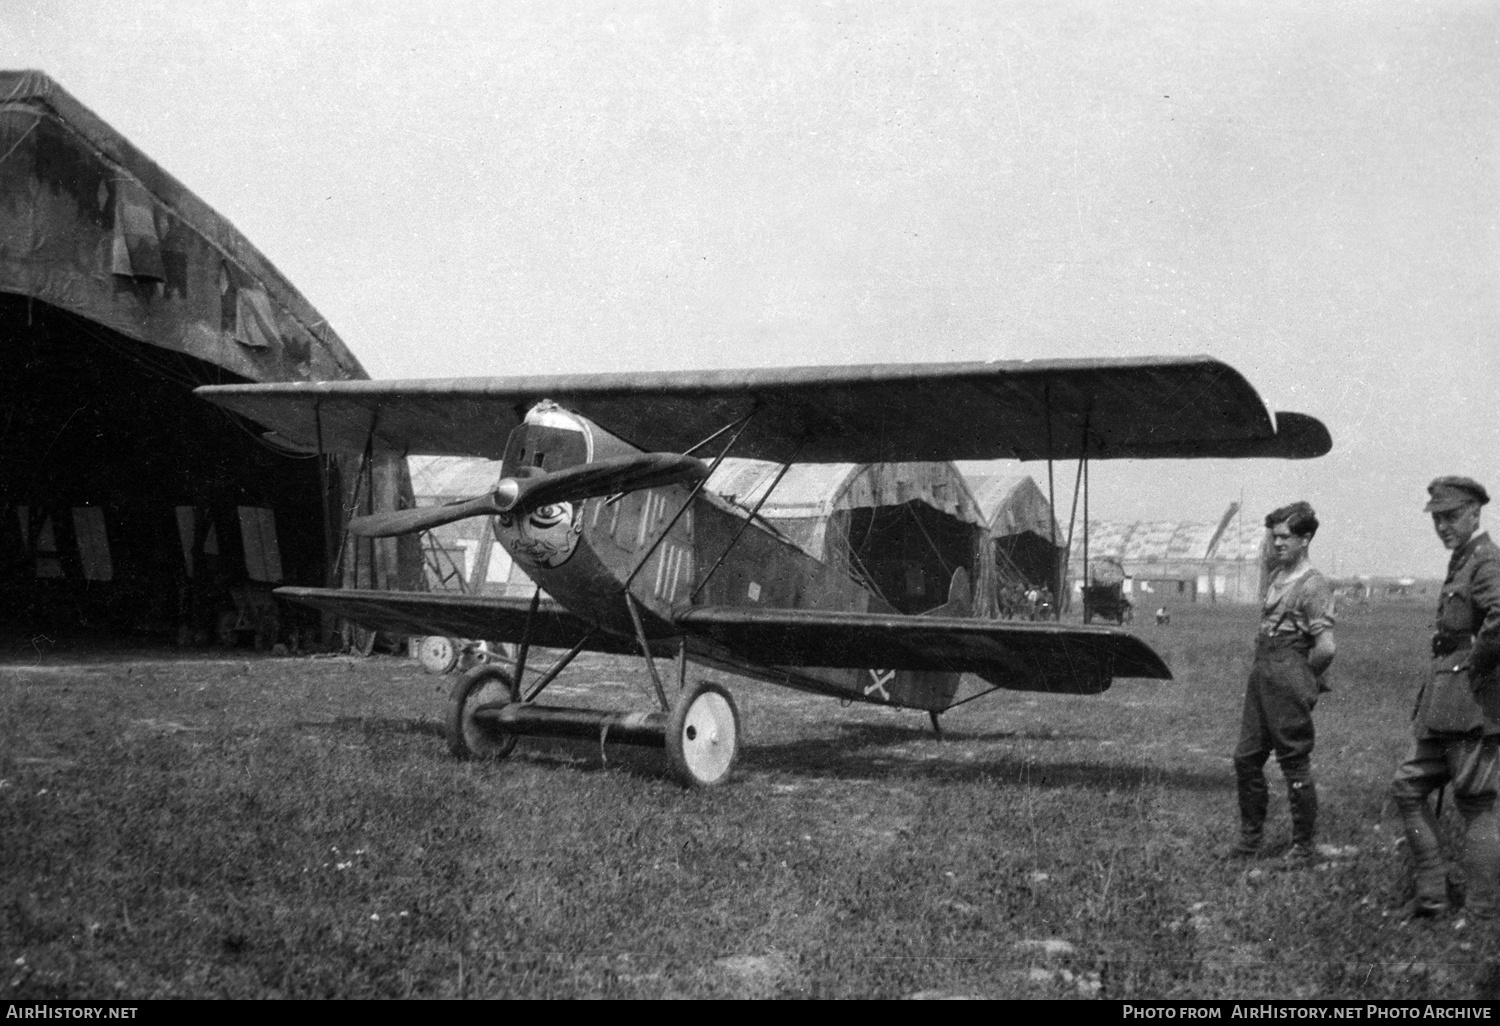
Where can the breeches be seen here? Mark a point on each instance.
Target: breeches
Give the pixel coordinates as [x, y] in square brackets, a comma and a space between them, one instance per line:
[1277, 716]
[1469, 762]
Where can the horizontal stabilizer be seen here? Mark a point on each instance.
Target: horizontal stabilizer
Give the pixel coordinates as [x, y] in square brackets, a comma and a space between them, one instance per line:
[1018, 656]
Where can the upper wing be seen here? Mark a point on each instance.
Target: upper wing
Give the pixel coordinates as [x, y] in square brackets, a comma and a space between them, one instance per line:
[1136, 408]
[1019, 656]
[482, 617]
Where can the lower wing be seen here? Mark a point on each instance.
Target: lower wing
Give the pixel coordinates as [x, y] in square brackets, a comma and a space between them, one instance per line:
[1018, 656]
[483, 617]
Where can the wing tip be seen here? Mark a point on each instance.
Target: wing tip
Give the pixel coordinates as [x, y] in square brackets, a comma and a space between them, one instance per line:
[1300, 436]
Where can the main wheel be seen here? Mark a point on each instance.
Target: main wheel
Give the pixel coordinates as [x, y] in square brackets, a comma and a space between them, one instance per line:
[437, 654]
[703, 736]
[468, 738]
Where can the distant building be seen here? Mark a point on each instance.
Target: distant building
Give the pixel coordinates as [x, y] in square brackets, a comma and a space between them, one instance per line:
[1364, 590]
[1173, 561]
[1027, 544]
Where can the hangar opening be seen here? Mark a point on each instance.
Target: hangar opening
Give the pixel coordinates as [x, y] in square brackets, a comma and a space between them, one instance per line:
[910, 551]
[131, 506]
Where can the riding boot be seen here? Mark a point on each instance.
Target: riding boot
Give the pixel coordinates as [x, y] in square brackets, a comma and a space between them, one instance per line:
[1480, 859]
[1428, 869]
[1253, 799]
[1302, 802]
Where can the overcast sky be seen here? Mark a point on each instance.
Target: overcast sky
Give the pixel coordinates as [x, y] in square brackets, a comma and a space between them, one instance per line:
[1306, 191]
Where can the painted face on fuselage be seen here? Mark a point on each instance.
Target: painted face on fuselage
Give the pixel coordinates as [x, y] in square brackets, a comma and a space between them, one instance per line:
[548, 440]
[543, 538]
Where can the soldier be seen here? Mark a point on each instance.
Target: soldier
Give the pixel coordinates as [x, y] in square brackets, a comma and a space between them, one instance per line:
[1457, 716]
[1293, 649]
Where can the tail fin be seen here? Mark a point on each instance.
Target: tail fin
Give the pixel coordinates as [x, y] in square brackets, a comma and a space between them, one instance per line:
[932, 690]
[960, 597]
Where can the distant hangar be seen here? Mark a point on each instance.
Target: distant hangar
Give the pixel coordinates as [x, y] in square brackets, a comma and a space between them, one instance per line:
[1168, 562]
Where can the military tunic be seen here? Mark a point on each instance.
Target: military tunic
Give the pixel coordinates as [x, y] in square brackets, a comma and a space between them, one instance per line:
[1456, 723]
[1461, 695]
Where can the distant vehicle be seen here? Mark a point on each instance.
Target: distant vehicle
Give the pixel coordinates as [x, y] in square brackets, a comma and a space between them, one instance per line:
[602, 502]
[1107, 602]
[1163, 618]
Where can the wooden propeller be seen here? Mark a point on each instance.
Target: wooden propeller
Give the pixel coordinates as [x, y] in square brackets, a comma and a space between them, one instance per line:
[523, 493]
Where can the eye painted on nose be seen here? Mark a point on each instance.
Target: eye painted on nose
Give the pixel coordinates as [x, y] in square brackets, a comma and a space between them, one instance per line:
[544, 537]
[549, 516]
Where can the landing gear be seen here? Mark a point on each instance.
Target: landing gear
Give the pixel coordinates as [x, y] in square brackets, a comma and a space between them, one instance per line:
[701, 731]
[703, 736]
[486, 686]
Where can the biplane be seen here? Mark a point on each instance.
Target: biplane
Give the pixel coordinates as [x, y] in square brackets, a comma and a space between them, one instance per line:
[601, 499]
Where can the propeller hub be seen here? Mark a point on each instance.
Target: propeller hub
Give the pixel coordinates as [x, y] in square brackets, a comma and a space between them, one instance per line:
[507, 494]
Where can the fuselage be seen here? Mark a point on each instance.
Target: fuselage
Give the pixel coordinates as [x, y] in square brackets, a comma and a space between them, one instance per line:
[671, 548]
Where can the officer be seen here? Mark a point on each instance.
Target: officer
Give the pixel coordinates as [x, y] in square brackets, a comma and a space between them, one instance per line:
[1293, 649]
[1457, 717]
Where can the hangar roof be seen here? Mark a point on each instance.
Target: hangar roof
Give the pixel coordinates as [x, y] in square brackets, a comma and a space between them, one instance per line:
[1138, 541]
[91, 225]
[1015, 504]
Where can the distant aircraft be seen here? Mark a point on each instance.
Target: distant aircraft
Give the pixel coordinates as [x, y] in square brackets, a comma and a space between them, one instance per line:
[602, 501]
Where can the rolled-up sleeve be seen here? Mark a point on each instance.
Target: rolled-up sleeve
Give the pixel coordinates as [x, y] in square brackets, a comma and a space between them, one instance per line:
[1315, 605]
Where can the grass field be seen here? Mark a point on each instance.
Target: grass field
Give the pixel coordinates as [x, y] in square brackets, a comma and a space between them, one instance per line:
[259, 827]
